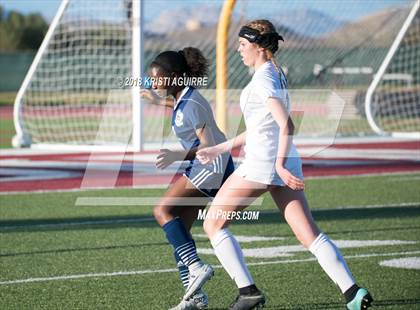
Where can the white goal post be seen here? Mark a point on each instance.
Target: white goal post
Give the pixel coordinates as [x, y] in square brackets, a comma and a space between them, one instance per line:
[78, 79]
[392, 102]
[82, 89]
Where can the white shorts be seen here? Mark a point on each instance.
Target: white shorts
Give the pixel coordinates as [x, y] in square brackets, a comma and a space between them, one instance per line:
[265, 172]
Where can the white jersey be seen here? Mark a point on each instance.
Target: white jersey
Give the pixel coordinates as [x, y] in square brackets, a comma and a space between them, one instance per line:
[262, 137]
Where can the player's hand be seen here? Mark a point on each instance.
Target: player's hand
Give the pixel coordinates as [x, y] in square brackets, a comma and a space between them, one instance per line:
[165, 158]
[208, 154]
[289, 179]
[150, 96]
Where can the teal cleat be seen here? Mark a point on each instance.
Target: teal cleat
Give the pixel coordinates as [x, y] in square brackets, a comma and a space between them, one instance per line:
[361, 301]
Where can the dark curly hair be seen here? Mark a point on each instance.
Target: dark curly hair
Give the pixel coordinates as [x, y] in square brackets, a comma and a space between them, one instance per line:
[189, 61]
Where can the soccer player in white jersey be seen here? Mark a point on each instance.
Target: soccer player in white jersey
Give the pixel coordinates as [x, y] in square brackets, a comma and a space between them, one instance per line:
[271, 164]
[194, 125]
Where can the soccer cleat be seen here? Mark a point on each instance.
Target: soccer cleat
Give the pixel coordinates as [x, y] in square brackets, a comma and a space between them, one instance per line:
[248, 302]
[198, 301]
[197, 279]
[361, 301]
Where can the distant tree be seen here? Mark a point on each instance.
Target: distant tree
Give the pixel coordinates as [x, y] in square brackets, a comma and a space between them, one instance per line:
[33, 32]
[20, 32]
[15, 20]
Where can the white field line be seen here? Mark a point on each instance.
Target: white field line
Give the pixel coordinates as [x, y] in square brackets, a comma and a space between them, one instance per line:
[147, 166]
[298, 141]
[245, 239]
[361, 207]
[193, 201]
[35, 174]
[406, 178]
[361, 175]
[164, 186]
[151, 271]
[388, 205]
[405, 263]
[73, 190]
[290, 250]
[151, 219]
[380, 154]
[151, 201]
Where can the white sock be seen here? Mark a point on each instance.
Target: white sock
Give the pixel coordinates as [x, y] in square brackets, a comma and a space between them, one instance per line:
[230, 255]
[331, 260]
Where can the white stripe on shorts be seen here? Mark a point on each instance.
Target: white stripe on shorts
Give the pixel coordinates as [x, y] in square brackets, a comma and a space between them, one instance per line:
[204, 178]
[220, 164]
[196, 181]
[215, 165]
[202, 175]
[198, 176]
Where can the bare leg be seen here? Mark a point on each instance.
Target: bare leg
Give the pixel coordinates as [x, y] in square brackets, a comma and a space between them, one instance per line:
[293, 205]
[175, 214]
[235, 195]
[295, 208]
[175, 203]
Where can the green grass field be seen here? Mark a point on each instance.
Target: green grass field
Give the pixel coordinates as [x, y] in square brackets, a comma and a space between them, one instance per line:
[46, 235]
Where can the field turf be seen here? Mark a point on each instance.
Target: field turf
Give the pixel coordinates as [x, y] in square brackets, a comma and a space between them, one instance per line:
[69, 257]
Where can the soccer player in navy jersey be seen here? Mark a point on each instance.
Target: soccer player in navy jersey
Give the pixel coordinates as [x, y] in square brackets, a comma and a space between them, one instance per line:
[194, 125]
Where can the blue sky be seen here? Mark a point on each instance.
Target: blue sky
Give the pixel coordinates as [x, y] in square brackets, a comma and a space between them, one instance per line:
[358, 8]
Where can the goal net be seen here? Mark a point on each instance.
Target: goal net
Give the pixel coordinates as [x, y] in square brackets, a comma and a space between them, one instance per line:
[393, 98]
[81, 89]
[73, 94]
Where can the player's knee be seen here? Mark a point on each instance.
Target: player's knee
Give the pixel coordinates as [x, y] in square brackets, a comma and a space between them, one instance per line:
[306, 241]
[303, 242]
[159, 211]
[208, 227]
[156, 211]
[211, 227]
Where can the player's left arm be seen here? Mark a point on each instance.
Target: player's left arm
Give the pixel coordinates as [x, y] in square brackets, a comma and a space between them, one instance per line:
[282, 117]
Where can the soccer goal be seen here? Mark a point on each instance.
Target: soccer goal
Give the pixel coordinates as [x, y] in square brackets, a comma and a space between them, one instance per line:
[392, 101]
[82, 89]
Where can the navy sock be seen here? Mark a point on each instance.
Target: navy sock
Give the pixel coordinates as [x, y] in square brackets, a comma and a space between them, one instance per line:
[182, 269]
[181, 241]
[176, 233]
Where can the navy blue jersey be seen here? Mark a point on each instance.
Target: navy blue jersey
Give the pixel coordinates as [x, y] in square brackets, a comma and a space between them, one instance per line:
[192, 112]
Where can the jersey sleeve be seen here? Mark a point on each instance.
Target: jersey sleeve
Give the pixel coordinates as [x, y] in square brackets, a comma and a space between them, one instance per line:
[267, 86]
[199, 115]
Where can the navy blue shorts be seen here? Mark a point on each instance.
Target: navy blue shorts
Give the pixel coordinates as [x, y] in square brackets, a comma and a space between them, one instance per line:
[206, 181]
